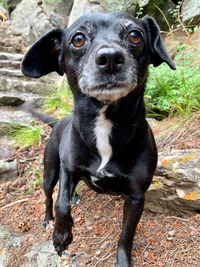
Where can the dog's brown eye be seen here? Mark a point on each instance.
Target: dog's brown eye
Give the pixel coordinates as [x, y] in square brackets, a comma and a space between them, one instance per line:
[78, 40]
[134, 37]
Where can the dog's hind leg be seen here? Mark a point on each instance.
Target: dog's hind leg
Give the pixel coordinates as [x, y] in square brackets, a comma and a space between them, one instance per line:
[51, 176]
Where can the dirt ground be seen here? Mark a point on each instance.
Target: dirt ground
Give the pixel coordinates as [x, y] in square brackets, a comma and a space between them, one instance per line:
[160, 240]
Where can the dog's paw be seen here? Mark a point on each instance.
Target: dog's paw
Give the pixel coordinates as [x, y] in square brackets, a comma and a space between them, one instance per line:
[49, 225]
[61, 241]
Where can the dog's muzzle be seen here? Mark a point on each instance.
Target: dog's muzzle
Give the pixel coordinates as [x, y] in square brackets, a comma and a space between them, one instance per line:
[108, 74]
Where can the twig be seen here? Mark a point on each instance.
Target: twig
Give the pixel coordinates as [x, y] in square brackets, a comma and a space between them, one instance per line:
[105, 258]
[174, 217]
[28, 159]
[15, 202]
[180, 20]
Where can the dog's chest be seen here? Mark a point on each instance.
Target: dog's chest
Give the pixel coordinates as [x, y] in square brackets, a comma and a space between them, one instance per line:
[102, 131]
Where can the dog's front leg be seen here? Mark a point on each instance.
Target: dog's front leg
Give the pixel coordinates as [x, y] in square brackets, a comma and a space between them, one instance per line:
[62, 235]
[133, 208]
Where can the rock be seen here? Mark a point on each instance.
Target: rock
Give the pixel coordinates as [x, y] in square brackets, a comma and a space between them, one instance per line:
[8, 41]
[10, 116]
[4, 238]
[118, 6]
[29, 21]
[6, 149]
[191, 11]
[81, 7]
[8, 165]
[17, 99]
[11, 56]
[11, 4]
[32, 19]
[9, 239]
[144, 7]
[15, 88]
[42, 255]
[8, 169]
[61, 7]
[176, 186]
[151, 8]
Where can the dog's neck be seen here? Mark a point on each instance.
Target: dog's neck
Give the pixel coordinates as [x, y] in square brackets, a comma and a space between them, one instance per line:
[108, 129]
[90, 113]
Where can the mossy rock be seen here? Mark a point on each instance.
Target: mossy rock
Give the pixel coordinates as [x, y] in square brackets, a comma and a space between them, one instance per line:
[128, 6]
[11, 4]
[152, 9]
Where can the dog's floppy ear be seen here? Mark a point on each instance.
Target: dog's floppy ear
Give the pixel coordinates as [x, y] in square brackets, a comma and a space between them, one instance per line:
[45, 56]
[157, 47]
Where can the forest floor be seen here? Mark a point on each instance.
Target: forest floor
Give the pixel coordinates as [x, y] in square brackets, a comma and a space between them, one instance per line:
[161, 240]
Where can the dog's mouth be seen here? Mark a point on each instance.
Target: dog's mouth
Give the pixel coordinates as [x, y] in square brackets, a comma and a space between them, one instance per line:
[110, 92]
[107, 88]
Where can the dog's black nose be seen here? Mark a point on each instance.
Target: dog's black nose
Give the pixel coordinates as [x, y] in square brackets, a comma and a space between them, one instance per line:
[109, 59]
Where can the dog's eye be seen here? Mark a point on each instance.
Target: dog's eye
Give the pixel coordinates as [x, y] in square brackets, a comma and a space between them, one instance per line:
[78, 40]
[134, 37]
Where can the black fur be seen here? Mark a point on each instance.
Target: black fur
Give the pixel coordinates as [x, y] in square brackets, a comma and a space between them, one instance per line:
[106, 62]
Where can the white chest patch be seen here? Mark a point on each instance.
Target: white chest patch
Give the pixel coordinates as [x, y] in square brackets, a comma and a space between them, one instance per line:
[103, 128]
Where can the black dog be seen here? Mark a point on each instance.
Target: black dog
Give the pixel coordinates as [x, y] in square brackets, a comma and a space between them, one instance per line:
[107, 141]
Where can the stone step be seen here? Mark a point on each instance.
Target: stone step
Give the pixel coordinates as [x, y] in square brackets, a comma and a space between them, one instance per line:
[10, 49]
[14, 64]
[11, 56]
[10, 42]
[10, 116]
[16, 99]
[39, 87]
[11, 72]
[15, 43]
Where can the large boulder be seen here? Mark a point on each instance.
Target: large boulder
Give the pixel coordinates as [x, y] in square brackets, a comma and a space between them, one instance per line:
[61, 7]
[190, 11]
[176, 186]
[159, 9]
[29, 21]
[81, 7]
[32, 19]
[117, 5]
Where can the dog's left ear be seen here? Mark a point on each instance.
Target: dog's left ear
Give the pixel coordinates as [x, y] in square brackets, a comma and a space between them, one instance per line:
[45, 56]
[157, 47]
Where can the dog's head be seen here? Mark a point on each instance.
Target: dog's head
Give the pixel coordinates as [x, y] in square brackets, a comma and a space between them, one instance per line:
[104, 55]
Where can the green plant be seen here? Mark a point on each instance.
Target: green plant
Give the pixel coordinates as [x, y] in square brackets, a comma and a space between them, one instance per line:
[4, 3]
[175, 92]
[139, 11]
[25, 135]
[60, 103]
[36, 182]
[38, 178]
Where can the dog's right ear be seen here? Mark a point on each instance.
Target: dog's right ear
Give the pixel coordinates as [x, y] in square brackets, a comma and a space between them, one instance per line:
[158, 51]
[45, 56]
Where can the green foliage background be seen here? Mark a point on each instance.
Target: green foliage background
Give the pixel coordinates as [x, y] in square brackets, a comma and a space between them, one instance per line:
[177, 92]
